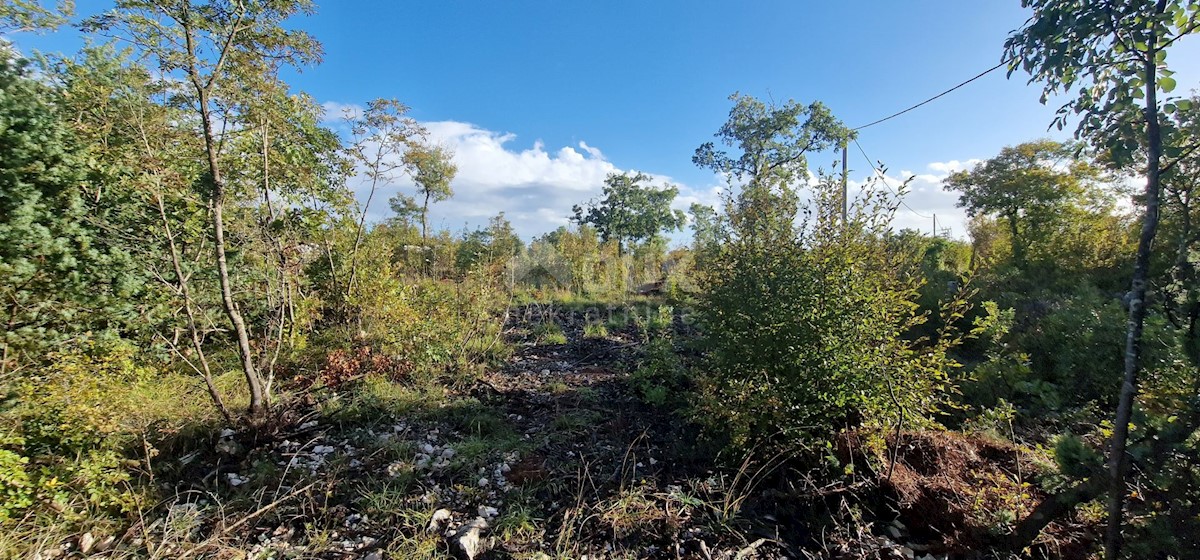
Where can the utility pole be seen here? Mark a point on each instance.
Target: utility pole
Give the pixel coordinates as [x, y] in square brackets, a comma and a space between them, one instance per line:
[935, 226]
[845, 178]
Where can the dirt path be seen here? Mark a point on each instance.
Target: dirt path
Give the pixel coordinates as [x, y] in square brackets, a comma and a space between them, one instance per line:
[553, 454]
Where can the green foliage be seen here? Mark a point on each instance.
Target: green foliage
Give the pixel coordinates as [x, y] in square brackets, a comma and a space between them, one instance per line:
[660, 378]
[1098, 52]
[31, 15]
[1075, 458]
[1066, 358]
[770, 141]
[632, 212]
[791, 359]
[595, 330]
[58, 277]
[549, 332]
[68, 440]
[1054, 210]
[490, 247]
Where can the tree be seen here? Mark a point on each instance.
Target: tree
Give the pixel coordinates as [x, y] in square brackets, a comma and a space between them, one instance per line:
[432, 169]
[218, 48]
[58, 277]
[30, 15]
[1027, 186]
[631, 211]
[788, 358]
[706, 226]
[382, 134]
[770, 145]
[1181, 227]
[1113, 53]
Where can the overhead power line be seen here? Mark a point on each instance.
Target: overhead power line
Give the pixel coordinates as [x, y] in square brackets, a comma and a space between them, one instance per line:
[883, 179]
[931, 99]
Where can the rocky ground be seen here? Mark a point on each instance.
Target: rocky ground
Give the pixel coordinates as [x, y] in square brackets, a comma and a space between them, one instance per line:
[553, 455]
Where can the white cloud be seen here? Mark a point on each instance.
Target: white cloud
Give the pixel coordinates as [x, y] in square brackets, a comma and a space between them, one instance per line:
[537, 186]
[337, 112]
[926, 198]
[948, 167]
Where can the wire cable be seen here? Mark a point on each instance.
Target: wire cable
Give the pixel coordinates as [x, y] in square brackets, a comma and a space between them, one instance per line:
[931, 99]
[883, 179]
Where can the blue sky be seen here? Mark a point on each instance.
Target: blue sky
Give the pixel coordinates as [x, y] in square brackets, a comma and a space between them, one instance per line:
[540, 99]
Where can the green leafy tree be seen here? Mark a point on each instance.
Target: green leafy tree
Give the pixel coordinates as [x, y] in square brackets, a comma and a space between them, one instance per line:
[381, 135]
[432, 169]
[631, 211]
[219, 49]
[791, 359]
[1112, 56]
[705, 226]
[58, 278]
[30, 15]
[1181, 227]
[764, 149]
[1026, 186]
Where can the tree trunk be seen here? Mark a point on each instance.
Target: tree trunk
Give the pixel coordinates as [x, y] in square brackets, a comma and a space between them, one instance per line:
[1018, 245]
[216, 207]
[1118, 463]
[427, 264]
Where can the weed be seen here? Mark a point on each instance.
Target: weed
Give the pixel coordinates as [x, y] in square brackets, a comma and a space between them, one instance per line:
[595, 330]
[518, 524]
[549, 333]
[575, 422]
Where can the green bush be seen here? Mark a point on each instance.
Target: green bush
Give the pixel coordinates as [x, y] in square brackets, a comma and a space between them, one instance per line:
[660, 378]
[65, 442]
[808, 329]
[1071, 357]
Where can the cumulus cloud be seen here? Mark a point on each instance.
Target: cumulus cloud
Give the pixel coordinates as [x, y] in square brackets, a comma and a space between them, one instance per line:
[536, 186]
[925, 198]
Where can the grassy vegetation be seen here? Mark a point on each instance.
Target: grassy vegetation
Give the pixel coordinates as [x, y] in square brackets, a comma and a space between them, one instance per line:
[212, 349]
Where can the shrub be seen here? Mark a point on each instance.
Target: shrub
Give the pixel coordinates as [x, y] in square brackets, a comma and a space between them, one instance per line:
[807, 328]
[660, 378]
[65, 441]
[549, 333]
[595, 330]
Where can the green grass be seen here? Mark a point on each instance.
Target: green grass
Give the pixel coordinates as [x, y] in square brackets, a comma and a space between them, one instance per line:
[549, 333]
[518, 523]
[575, 422]
[595, 330]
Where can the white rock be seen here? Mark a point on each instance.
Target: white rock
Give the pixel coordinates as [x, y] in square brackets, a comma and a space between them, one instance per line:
[439, 516]
[448, 452]
[488, 512]
[85, 542]
[483, 482]
[468, 537]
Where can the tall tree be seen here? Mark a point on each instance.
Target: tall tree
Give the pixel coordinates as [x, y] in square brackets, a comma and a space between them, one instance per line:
[1026, 186]
[382, 134]
[219, 48]
[631, 211]
[432, 169]
[763, 149]
[58, 278]
[1113, 53]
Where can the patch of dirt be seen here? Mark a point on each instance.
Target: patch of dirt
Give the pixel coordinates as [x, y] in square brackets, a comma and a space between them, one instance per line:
[958, 493]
